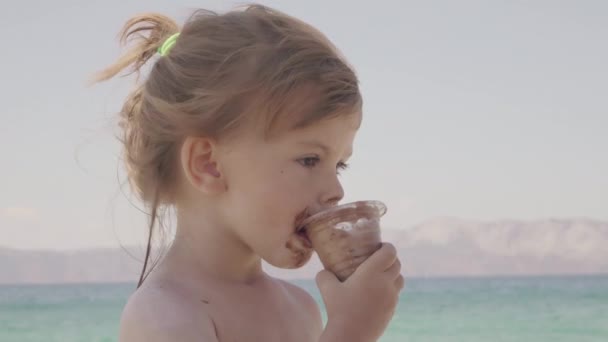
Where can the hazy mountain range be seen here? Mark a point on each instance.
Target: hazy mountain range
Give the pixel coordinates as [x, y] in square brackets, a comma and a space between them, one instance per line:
[440, 247]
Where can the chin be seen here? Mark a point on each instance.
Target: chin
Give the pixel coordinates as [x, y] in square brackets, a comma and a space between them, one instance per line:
[292, 258]
[301, 260]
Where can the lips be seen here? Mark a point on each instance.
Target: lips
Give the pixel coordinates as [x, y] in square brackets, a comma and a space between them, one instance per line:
[299, 229]
[299, 219]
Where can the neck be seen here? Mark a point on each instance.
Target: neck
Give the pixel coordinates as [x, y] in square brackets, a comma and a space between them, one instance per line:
[205, 249]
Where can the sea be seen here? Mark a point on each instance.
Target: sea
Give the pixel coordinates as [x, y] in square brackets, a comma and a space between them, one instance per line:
[536, 309]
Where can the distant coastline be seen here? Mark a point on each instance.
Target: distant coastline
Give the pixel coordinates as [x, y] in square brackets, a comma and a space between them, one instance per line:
[441, 248]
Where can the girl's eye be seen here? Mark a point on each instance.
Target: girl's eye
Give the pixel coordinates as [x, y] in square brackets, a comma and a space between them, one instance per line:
[341, 166]
[309, 162]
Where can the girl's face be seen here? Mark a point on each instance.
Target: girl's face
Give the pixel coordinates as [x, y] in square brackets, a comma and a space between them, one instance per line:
[274, 184]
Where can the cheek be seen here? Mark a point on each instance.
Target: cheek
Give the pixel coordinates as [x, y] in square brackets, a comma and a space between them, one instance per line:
[282, 184]
[270, 197]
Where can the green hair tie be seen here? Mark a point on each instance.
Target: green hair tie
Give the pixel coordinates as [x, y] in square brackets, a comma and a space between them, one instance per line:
[168, 44]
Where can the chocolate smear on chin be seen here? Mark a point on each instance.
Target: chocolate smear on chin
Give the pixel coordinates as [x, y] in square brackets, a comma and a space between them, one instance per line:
[298, 243]
[300, 250]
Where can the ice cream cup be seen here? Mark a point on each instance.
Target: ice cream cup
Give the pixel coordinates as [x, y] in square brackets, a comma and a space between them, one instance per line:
[345, 236]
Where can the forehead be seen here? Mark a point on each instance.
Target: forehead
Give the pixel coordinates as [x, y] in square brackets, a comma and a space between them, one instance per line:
[336, 133]
[307, 110]
[334, 136]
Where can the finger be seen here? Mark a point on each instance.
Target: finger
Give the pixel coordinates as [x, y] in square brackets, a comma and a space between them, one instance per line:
[400, 282]
[394, 270]
[382, 259]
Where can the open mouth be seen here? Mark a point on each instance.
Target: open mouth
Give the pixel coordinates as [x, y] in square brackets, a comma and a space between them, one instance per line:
[304, 240]
[299, 228]
[302, 232]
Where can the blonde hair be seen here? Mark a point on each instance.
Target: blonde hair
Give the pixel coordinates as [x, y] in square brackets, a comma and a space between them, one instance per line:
[219, 68]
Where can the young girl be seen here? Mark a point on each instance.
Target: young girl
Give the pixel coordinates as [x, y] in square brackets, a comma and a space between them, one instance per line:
[241, 127]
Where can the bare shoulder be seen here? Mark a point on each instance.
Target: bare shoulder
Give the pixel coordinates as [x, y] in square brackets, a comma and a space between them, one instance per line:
[159, 313]
[306, 301]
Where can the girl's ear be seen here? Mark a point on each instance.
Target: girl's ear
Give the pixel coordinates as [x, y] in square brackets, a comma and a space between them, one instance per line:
[199, 164]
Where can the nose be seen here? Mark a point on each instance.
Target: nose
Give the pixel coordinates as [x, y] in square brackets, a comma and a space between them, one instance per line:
[332, 193]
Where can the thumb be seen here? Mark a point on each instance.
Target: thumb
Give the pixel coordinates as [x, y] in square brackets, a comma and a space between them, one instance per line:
[326, 281]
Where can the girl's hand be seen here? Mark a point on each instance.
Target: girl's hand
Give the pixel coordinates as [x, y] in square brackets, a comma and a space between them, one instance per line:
[360, 308]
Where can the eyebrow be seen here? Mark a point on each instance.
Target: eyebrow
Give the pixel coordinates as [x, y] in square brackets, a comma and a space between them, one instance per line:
[320, 145]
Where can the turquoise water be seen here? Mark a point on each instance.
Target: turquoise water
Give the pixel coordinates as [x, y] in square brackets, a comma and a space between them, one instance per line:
[486, 309]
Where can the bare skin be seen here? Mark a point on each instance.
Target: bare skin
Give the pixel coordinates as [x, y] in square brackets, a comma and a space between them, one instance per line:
[238, 204]
[266, 310]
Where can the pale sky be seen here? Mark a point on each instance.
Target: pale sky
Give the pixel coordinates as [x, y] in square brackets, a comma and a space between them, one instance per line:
[481, 110]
